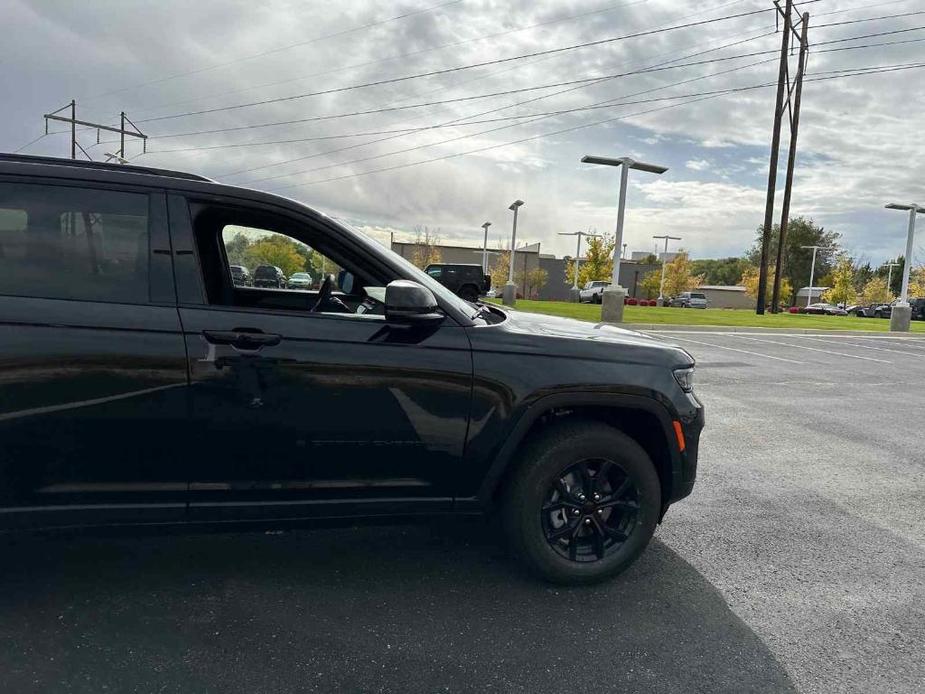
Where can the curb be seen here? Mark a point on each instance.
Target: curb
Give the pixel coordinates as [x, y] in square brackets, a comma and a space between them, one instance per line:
[667, 328]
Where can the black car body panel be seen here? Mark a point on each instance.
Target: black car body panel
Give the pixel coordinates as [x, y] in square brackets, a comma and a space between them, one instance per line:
[118, 411]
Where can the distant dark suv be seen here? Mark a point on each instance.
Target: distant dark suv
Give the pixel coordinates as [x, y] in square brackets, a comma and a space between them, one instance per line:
[918, 308]
[139, 385]
[465, 281]
[240, 277]
[269, 276]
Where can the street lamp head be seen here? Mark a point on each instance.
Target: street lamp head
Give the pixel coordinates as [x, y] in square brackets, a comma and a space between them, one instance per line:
[486, 225]
[624, 161]
[901, 206]
[516, 204]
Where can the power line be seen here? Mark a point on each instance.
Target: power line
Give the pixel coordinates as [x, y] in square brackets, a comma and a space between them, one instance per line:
[410, 54]
[372, 133]
[32, 142]
[494, 110]
[607, 103]
[868, 19]
[296, 121]
[273, 50]
[444, 71]
[565, 130]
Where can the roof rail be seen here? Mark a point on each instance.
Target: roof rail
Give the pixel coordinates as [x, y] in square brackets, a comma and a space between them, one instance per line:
[101, 166]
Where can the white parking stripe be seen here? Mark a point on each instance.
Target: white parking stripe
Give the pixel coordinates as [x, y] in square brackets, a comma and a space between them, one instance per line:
[741, 351]
[812, 349]
[851, 344]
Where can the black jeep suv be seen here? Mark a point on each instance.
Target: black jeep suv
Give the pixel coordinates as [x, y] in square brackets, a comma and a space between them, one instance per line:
[465, 281]
[139, 384]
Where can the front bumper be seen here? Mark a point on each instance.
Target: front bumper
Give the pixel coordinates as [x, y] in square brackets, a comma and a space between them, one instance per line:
[691, 427]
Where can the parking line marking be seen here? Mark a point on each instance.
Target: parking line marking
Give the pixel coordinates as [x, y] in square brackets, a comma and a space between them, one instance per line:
[741, 351]
[851, 344]
[813, 349]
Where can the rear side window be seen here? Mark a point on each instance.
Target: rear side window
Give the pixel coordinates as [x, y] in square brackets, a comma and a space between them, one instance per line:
[73, 243]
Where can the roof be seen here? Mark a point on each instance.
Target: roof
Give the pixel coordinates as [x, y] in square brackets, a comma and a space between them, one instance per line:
[99, 166]
[722, 287]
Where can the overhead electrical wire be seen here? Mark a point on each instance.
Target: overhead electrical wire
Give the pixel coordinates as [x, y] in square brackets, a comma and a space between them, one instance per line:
[443, 71]
[486, 148]
[277, 49]
[371, 133]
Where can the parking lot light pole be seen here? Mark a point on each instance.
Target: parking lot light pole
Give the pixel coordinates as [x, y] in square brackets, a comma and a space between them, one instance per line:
[612, 297]
[485, 249]
[901, 315]
[661, 286]
[509, 293]
[812, 272]
[574, 296]
[889, 274]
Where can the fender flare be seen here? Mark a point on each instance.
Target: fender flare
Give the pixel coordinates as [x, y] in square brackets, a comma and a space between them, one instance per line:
[544, 404]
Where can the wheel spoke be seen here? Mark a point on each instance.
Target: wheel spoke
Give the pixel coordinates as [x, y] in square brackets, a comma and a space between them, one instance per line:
[619, 503]
[562, 489]
[559, 505]
[562, 532]
[599, 535]
[602, 474]
[587, 485]
[614, 534]
[573, 543]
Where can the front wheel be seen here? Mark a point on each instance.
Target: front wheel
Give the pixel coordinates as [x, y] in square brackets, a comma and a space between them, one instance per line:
[598, 298]
[583, 503]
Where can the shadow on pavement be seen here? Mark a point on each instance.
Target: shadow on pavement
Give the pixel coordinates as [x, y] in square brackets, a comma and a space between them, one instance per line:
[401, 609]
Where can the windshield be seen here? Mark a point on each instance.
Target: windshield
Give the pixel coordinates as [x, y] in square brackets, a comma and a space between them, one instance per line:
[301, 276]
[698, 296]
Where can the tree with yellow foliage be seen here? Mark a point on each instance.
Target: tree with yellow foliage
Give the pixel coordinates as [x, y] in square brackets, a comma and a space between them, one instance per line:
[842, 290]
[749, 280]
[875, 291]
[598, 262]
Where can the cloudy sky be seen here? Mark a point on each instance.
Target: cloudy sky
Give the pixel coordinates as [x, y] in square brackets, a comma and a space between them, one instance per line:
[500, 132]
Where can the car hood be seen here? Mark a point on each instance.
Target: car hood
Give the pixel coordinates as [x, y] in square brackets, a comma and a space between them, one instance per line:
[554, 335]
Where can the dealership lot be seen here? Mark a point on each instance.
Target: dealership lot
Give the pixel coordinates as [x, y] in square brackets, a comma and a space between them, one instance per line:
[797, 564]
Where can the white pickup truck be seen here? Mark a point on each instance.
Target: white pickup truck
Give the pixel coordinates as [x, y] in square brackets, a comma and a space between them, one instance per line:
[592, 292]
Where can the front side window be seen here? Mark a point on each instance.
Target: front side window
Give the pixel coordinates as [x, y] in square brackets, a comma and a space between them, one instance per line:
[73, 243]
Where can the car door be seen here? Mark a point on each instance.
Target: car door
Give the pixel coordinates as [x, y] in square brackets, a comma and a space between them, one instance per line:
[303, 413]
[92, 362]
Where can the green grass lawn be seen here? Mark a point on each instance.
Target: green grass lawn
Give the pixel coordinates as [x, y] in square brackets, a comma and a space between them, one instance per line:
[712, 316]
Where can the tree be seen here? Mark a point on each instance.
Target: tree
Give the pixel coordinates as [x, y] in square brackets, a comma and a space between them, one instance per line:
[862, 275]
[499, 269]
[797, 260]
[236, 249]
[426, 251]
[598, 262]
[277, 250]
[749, 280]
[650, 284]
[722, 271]
[917, 282]
[532, 282]
[875, 292]
[842, 289]
[897, 274]
[679, 277]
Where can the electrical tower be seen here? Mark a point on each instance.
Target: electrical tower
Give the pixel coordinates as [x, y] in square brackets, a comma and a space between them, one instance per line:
[75, 145]
[791, 106]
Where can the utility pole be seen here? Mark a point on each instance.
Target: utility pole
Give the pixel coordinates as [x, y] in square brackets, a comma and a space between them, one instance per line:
[902, 312]
[783, 79]
[509, 293]
[74, 122]
[812, 272]
[574, 296]
[889, 281]
[661, 286]
[791, 161]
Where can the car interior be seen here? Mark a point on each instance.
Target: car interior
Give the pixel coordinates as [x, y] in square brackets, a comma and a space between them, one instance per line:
[344, 286]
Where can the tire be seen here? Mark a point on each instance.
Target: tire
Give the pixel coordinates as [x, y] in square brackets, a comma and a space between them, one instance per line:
[878, 314]
[547, 473]
[598, 298]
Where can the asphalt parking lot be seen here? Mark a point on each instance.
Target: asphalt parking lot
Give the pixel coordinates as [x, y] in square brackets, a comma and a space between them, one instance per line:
[798, 564]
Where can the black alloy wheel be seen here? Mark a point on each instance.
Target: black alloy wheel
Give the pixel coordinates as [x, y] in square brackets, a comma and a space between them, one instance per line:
[590, 510]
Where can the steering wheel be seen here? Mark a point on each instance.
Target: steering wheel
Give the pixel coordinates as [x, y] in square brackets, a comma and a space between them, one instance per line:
[324, 293]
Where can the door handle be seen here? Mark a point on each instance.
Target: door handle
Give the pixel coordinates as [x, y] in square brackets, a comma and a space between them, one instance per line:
[241, 338]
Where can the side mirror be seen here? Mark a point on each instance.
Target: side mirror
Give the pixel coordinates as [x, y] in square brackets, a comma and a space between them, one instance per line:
[409, 302]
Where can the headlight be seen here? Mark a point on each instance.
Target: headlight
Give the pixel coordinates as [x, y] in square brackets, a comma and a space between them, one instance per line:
[685, 378]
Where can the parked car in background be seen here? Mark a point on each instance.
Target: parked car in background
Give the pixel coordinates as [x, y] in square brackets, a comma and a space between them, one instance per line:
[689, 300]
[299, 280]
[592, 292]
[380, 394]
[464, 280]
[823, 309]
[240, 277]
[269, 276]
[918, 308]
[874, 311]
